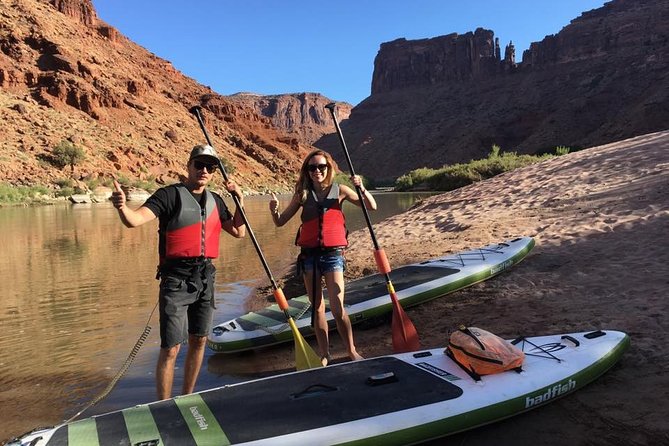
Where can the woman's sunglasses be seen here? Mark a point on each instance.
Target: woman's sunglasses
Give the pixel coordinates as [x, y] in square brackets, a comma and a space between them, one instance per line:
[199, 165]
[321, 167]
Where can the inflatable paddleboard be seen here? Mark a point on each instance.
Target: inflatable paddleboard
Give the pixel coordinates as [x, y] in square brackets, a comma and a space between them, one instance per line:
[368, 298]
[390, 400]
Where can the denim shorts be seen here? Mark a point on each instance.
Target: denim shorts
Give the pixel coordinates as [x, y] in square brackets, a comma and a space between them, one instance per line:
[326, 262]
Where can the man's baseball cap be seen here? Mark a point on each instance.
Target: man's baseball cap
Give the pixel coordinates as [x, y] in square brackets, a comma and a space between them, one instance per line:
[203, 151]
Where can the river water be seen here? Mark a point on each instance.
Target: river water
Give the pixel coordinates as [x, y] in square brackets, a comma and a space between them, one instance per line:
[77, 291]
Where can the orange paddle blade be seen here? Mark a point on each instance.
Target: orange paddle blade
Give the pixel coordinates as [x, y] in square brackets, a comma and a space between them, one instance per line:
[405, 336]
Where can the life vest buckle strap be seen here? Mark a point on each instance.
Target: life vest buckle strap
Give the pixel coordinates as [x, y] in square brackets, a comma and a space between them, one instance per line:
[331, 251]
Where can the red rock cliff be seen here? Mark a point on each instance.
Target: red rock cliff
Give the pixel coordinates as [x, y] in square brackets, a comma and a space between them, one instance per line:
[66, 75]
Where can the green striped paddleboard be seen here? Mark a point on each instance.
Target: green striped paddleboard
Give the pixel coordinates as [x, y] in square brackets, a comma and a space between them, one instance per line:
[399, 399]
[367, 298]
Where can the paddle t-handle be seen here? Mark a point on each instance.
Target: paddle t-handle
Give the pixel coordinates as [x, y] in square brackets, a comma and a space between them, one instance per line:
[197, 111]
[332, 107]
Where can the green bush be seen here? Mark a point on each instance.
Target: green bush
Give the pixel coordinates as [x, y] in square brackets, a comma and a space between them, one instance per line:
[64, 182]
[92, 183]
[148, 185]
[229, 167]
[67, 154]
[562, 150]
[345, 178]
[405, 182]
[65, 192]
[22, 194]
[123, 180]
[454, 176]
[416, 179]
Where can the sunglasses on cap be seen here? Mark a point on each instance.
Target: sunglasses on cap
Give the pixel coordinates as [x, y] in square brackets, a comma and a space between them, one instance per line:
[200, 165]
[313, 167]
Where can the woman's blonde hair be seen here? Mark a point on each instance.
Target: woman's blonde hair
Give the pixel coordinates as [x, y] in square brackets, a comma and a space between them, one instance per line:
[304, 182]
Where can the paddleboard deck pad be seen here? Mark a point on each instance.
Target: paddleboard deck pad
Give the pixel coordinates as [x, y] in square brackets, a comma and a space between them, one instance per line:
[390, 400]
[367, 298]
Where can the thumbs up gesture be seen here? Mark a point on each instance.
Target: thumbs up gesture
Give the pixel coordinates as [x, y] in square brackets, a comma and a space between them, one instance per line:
[118, 196]
[274, 204]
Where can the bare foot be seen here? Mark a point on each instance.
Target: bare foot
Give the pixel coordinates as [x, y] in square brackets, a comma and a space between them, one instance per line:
[325, 360]
[355, 356]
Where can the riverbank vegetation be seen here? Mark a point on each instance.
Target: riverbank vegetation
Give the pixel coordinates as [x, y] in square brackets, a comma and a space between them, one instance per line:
[11, 195]
[14, 195]
[453, 176]
[425, 179]
[65, 154]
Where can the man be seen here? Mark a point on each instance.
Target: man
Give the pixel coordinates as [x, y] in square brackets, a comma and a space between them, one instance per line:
[190, 221]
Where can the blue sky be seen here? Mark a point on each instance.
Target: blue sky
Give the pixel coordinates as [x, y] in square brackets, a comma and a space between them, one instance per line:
[328, 47]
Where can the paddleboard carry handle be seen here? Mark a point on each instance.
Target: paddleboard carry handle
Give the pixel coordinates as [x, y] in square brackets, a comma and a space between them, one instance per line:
[382, 378]
[594, 334]
[571, 339]
[313, 390]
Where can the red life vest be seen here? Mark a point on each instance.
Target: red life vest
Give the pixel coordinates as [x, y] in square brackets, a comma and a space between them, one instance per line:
[193, 231]
[323, 223]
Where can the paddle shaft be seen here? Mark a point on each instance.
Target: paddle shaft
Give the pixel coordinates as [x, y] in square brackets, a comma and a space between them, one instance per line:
[358, 189]
[405, 337]
[196, 111]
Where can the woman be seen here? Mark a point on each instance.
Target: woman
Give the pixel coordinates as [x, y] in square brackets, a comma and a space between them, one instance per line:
[322, 237]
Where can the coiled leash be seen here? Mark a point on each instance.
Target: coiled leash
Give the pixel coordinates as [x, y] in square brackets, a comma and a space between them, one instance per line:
[122, 370]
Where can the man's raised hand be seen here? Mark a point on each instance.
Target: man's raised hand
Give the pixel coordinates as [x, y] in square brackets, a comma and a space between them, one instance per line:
[118, 196]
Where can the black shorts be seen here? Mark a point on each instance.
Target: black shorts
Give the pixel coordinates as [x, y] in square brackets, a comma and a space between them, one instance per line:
[186, 307]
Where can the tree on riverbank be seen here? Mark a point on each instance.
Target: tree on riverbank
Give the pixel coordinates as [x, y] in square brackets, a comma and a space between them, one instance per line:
[67, 154]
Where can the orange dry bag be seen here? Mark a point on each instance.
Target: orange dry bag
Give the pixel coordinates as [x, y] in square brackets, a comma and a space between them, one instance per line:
[480, 352]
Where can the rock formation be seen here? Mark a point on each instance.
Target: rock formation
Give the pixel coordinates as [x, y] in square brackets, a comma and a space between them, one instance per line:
[453, 58]
[67, 76]
[301, 114]
[444, 100]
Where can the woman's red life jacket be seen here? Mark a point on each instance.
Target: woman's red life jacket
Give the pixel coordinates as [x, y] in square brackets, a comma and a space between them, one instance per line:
[193, 231]
[323, 223]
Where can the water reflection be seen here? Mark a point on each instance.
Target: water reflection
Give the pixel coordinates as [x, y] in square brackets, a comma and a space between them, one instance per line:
[77, 290]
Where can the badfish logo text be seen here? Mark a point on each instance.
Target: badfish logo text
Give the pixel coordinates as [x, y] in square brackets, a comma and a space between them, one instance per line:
[550, 393]
[501, 267]
[199, 418]
[437, 371]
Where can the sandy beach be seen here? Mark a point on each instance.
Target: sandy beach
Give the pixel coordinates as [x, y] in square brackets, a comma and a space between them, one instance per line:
[600, 218]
